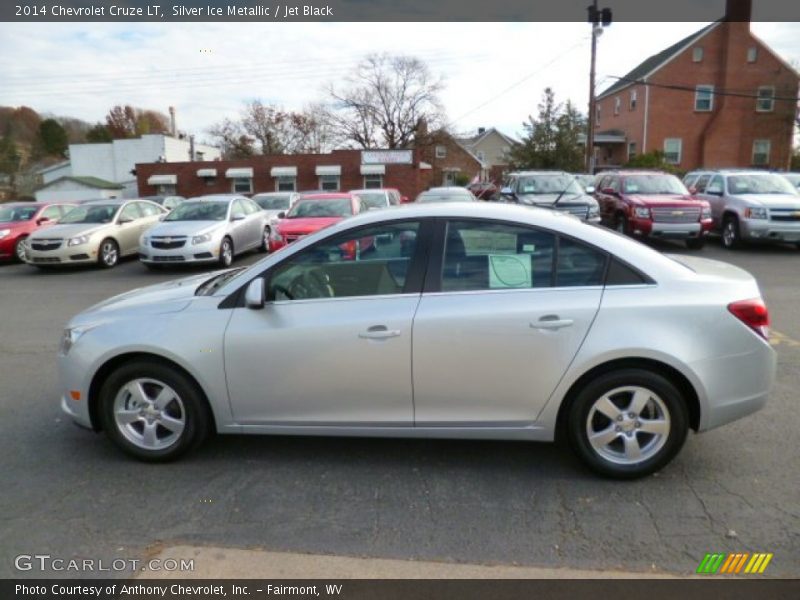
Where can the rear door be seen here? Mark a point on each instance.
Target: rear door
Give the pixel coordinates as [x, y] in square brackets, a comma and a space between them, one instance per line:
[504, 311]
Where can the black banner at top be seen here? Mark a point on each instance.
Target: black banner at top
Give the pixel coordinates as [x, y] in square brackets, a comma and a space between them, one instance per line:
[393, 10]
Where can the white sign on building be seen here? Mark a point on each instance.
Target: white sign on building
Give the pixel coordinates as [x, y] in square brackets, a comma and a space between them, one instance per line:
[387, 157]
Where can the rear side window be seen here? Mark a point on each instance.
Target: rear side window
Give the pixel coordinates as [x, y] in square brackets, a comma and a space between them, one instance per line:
[579, 264]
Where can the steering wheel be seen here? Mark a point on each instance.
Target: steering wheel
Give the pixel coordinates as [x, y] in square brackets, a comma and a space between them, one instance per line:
[312, 284]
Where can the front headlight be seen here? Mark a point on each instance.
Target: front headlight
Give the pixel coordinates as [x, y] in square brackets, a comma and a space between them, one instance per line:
[594, 210]
[756, 212]
[642, 212]
[77, 241]
[201, 239]
[70, 336]
[706, 213]
[4, 233]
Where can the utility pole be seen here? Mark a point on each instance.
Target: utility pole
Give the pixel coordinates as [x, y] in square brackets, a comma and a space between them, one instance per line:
[597, 19]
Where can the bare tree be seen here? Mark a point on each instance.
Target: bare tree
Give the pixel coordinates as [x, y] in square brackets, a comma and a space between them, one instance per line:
[268, 125]
[385, 100]
[232, 139]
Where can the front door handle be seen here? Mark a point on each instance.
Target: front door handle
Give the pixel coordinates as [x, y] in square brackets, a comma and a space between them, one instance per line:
[379, 332]
[552, 322]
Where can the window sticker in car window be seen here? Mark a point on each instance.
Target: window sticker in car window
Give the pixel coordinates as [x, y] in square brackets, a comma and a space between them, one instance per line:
[529, 248]
[631, 188]
[509, 271]
[528, 188]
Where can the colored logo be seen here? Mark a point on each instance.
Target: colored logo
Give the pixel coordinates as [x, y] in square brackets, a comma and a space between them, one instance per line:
[734, 563]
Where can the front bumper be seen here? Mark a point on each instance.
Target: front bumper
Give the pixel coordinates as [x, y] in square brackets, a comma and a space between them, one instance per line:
[187, 254]
[71, 370]
[770, 231]
[675, 231]
[65, 255]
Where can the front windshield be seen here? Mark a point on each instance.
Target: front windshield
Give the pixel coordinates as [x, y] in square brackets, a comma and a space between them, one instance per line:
[91, 213]
[549, 184]
[277, 202]
[373, 199]
[331, 207]
[653, 184]
[17, 213]
[793, 178]
[759, 183]
[199, 211]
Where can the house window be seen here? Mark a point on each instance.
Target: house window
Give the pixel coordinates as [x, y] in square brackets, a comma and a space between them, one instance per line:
[633, 100]
[752, 54]
[480, 155]
[597, 114]
[242, 185]
[672, 150]
[210, 181]
[766, 99]
[697, 54]
[199, 156]
[761, 150]
[617, 103]
[441, 151]
[704, 98]
[329, 183]
[373, 182]
[165, 189]
[285, 183]
[631, 150]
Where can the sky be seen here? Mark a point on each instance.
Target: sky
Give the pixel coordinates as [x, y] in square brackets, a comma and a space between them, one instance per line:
[494, 73]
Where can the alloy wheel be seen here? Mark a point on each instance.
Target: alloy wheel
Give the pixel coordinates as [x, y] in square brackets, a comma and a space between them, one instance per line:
[20, 250]
[109, 253]
[149, 414]
[226, 253]
[628, 425]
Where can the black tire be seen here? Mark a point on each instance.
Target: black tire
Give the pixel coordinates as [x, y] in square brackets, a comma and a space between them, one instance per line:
[696, 243]
[226, 253]
[621, 224]
[264, 247]
[19, 250]
[194, 410]
[662, 449]
[108, 254]
[731, 235]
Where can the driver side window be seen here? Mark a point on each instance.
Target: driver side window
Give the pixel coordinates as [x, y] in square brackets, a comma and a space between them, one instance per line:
[130, 212]
[367, 262]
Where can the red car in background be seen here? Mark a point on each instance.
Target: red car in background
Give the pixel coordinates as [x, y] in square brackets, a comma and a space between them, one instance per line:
[653, 204]
[20, 219]
[312, 213]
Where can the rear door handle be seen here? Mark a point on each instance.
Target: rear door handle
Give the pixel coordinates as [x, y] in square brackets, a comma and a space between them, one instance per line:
[552, 322]
[379, 332]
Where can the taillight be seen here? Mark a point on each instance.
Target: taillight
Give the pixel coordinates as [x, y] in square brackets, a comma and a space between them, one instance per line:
[752, 313]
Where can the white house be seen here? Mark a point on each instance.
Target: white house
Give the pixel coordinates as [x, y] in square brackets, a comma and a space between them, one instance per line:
[113, 163]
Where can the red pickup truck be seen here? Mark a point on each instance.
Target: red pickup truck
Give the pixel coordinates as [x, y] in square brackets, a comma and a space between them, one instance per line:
[653, 204]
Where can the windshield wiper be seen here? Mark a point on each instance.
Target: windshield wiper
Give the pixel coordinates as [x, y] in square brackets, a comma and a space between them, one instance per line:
[564, 191]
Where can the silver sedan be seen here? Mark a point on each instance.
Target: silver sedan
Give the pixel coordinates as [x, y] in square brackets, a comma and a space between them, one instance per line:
[478, 320]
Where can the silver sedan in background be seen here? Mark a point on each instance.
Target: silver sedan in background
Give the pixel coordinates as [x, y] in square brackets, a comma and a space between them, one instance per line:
[206, 229]
[490, 322]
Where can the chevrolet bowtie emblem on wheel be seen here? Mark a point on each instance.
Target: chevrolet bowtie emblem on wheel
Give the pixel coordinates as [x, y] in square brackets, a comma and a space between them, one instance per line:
[734, 563]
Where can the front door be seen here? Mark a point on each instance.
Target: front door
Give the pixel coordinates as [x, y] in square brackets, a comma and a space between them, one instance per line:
[333, 344]
[492, 343]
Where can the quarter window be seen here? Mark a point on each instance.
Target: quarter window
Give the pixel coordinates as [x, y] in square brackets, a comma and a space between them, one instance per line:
[367, 262]
[242, 185]
[766, 99]
[672, 150]
[704, 98]
[579, 264]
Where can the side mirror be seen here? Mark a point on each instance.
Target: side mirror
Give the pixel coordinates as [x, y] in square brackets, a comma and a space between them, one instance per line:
[237, 216]
[125, 220]
[590, 189]
[507, 191]
[41, 220]
[282, 214]
[254, 295]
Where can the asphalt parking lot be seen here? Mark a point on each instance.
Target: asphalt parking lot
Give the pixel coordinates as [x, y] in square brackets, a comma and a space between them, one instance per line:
[68, 493]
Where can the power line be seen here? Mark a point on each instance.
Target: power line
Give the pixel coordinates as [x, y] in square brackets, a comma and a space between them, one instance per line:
[714, 92]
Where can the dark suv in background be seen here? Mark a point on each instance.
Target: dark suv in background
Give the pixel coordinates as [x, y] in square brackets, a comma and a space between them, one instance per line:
[556, 190]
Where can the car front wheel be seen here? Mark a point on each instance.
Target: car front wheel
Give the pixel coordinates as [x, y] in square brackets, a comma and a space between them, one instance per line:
[108, 254]
[226, 253]
[19, 250]
[153, 412]
[731, 237]
[628, 423]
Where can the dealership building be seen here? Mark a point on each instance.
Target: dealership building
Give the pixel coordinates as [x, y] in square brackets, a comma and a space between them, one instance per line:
[340, 170]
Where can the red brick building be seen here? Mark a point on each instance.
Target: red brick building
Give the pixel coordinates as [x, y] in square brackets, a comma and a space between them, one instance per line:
[340, 170]
[718, 98]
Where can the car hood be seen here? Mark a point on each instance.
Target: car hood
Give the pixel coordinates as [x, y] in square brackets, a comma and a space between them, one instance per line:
[770, 200]
[307, 225]
[70, 230]
[167, 297]
[14, 225]
[187, 228]
[664, 200]
[548, 199]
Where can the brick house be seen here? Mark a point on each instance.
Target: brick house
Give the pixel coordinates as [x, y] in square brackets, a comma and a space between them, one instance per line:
[717, 98]
[449, 160]
[340, 170]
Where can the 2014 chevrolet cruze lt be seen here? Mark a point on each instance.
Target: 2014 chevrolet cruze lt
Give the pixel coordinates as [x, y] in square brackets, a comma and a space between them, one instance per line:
[469, 321]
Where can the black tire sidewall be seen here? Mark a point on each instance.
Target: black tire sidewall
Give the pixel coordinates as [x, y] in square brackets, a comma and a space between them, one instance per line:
[197, 417]
[583, 401]
[737, 239]
[265, 240]
[222, 262]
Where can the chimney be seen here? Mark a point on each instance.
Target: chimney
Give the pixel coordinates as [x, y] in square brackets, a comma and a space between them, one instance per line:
[738, 11]
[481, 130]
[172, 129]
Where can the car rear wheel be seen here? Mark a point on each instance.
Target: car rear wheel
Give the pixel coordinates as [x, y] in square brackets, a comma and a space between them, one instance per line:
[696, 243]
[19, 250]
[226, 253]
[628, 423]
[731, 237]
[108, 253]
[153, 412]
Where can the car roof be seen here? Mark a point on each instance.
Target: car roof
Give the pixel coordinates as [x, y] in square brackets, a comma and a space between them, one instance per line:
[216, 198]
[641, 172]
[449, 188]
[540, 172]
[110, 201]
[372, 191]
[327, 196]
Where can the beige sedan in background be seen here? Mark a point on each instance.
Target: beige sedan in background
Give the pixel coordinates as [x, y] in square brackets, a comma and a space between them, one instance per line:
[99, 232]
